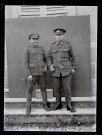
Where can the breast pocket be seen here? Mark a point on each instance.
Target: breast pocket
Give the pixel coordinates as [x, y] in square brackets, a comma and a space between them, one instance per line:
[64, 53]
[41, 55]
[31, 55]
[55, 53]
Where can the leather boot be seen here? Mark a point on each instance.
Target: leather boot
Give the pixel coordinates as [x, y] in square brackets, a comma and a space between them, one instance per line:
[28, 110]
[29, 100]
[57, 106]
[44, 98]
[46, 107]
[70, 108]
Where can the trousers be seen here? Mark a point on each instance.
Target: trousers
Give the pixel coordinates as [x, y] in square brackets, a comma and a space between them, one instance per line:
[66, 82]
[41, 81]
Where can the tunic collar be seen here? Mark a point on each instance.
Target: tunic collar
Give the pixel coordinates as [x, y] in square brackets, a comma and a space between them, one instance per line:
[59, 43]
[35, 46]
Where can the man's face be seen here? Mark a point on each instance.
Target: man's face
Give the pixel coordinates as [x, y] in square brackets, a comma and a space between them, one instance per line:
[59, 37]
[34, 41]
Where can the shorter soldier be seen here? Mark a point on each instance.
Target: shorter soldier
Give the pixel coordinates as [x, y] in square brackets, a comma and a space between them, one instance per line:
[63, 63]
[35, 68]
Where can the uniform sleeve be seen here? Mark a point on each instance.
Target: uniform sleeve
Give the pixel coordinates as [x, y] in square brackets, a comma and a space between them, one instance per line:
[44, 58]
[74, 59]
[26, 60]
[49, 58]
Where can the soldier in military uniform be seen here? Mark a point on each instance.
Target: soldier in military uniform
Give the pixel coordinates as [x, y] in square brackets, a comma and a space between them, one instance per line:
[63, 63]
[35, 68]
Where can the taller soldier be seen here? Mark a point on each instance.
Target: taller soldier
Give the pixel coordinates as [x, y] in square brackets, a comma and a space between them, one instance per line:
[35, 68]
[63, 63]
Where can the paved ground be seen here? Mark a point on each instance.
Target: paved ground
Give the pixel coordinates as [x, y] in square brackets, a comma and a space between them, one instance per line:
[51, 127]
[63, 111]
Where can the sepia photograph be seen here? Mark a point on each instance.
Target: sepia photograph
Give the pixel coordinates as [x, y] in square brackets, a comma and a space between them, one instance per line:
[50, 66]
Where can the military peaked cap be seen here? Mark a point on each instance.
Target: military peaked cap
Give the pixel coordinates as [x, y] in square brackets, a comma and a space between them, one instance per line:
[59, 31]
[34, 36]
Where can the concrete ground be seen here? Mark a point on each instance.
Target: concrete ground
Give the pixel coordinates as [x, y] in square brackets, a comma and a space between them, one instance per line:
[84, 120]
[51, 127]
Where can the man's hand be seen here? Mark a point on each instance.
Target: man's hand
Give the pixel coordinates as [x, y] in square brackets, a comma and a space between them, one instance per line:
[52, 68]
[45, 68]
[72, 71]
[30, 77]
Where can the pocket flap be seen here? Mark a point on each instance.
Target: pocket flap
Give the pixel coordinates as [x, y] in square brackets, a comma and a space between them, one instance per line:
[32, 65]
[54, 51]
[41, 52]
[64, 50]
[32, 52]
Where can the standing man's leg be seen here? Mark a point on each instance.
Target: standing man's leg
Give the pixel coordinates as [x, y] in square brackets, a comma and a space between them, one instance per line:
[66, 80]
[57, 90]
[30, 86]
[42, 83]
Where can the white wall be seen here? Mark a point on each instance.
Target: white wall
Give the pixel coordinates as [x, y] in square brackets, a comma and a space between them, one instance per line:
[13, 12]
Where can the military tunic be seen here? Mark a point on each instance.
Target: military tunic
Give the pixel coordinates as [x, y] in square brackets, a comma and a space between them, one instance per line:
[34, 60]
[34, 63]
[62, 57]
